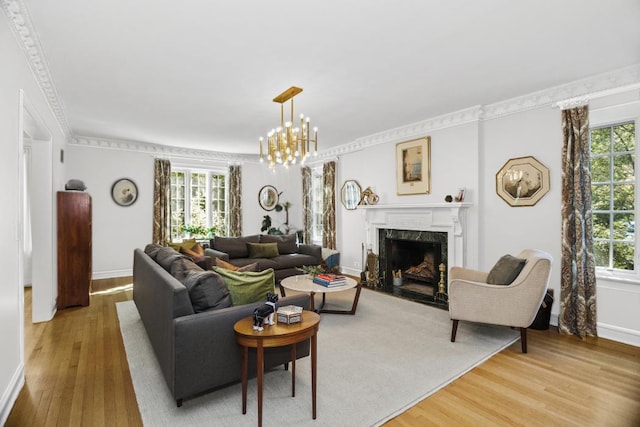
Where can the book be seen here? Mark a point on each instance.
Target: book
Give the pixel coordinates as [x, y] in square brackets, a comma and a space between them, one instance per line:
[331, 277]
[328, 283]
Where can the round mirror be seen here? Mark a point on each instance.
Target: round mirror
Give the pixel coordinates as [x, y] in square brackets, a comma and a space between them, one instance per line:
[268, 197]
[351, 194]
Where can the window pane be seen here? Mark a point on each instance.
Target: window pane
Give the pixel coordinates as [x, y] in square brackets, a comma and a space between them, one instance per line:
[623, 255]
[624, 137]
[600, 141]
[623, 226]
[601, 226]
[600, 169]
[218, 204]
[601, 253]
[177, 204]
[623, 197]
[600, 195]
[624, 167]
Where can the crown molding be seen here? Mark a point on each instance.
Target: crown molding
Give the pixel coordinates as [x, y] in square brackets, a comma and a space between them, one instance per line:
[22, 27]
[576, 93]
[158, 150]
[407, 132]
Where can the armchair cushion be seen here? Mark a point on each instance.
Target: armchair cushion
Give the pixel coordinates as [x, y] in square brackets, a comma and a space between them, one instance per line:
[506, 270]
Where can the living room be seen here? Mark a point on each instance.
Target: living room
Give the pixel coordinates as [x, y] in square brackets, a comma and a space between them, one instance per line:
[469, 145]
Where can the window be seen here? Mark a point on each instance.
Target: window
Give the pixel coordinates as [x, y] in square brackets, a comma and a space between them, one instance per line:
[613, 180]
[198, 202]
[317, 193]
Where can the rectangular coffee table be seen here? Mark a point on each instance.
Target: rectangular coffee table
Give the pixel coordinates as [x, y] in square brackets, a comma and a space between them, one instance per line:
[303, 283]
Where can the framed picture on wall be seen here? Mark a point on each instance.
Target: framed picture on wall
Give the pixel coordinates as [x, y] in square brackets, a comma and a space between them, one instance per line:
[522, 181]
[124, 192]
[413, 166]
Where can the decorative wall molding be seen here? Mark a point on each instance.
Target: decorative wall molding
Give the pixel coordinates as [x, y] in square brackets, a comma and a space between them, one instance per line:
[22, 27]
[578, 91]
[158, 150]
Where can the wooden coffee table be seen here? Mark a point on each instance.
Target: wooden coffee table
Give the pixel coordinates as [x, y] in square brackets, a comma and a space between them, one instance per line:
[277, 335]
[303, 283]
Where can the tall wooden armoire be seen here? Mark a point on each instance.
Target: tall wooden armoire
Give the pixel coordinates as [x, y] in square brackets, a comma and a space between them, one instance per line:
[74, 248]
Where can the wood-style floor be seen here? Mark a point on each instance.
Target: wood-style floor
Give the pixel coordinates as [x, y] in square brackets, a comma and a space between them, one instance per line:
[77, 374]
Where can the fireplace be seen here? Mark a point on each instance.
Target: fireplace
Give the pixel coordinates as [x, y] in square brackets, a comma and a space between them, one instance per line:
[408, 235]
[409, 263]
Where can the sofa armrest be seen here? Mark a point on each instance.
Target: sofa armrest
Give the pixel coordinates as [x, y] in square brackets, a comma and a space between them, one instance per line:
[216, 254]
[207, 354]
[312, 250]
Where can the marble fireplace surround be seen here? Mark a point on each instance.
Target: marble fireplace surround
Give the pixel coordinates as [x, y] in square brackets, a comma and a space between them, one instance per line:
[440, 217]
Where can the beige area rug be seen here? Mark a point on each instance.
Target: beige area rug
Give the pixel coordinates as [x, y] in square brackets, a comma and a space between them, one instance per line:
[371, 367]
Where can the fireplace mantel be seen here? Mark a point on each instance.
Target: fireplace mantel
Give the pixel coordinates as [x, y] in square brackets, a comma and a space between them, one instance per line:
[443, 217]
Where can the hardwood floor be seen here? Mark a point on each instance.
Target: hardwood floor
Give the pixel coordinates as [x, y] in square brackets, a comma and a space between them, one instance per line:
[77, 374]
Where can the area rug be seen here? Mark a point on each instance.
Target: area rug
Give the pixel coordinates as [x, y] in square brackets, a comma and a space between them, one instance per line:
[371, 367]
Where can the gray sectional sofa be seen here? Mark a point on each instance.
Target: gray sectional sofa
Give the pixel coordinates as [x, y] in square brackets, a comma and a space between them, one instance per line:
[196, 351]
[285, 262]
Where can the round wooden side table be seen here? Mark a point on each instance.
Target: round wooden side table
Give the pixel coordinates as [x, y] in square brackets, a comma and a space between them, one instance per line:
[278, 335]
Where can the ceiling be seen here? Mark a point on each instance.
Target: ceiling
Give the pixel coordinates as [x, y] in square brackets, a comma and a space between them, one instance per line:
[202, 74]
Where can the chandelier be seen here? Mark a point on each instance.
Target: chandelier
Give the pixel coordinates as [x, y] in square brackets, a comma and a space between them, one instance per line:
[288, 143]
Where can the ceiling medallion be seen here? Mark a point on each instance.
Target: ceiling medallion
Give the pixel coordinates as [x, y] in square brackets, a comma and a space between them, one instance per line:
[287, 144]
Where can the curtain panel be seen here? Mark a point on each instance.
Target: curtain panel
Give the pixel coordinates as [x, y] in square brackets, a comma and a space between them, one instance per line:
[306, 204]
[329, 205]
[578, 277]
[161, 201]
[235, 201]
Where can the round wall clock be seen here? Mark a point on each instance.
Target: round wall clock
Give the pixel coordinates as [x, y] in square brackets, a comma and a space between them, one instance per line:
[124, 192]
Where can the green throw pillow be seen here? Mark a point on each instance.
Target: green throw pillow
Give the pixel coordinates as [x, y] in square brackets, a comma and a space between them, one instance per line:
[506, 270]
[262, 250]
[247, 287]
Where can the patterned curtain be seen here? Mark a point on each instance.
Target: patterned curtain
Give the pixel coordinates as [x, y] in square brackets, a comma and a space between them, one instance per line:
[578, 276]
[235, 201]
[161, 201]
[329, 205]
[306, 204]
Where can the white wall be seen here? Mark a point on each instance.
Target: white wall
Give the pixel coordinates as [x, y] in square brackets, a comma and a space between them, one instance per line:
[15, 75]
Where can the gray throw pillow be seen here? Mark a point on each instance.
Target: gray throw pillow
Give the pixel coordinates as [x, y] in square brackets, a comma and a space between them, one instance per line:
[207, 290]
[287, 244]
[506, 270]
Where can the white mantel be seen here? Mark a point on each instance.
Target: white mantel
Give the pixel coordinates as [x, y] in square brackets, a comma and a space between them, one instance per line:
[442, 217]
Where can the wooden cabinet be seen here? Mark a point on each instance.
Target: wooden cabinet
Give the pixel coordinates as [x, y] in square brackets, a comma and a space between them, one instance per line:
[74, 248]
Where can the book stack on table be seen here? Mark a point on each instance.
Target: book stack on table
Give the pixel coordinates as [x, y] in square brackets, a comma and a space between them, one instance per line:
[330, 280]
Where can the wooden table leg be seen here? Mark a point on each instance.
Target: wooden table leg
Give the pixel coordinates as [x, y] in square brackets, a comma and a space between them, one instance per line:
[314, 369]
[245, 361]
[293, 370]
[312, 301]
[260, 369]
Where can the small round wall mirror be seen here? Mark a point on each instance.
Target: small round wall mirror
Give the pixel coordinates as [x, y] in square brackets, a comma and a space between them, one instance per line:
[268, 197]
[351, 194]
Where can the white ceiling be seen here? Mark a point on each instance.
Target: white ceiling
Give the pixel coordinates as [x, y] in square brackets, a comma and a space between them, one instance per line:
[202, 74]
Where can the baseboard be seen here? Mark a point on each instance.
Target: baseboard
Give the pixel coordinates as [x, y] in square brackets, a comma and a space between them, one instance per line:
[97, 275]
[10, 395]
[616, 333]
[352, 271]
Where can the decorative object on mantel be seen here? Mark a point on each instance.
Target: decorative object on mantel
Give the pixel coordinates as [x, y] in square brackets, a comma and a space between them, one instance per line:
[369, 197]
[413, 166]
[124, 192]
[268, 197]
[286, 144]
[460, 197]
[522, 181]
[351, 194]
[448, 198]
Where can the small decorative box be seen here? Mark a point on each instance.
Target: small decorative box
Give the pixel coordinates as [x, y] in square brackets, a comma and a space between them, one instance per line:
[289, 314]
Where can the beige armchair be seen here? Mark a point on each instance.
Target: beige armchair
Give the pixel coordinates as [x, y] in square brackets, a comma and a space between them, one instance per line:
[516, 305]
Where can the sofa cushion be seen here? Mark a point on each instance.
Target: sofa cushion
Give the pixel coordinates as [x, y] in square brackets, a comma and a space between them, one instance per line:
[247, 287]
[207, 290]
[293, 260]
[506, 270]
[224, 264]
[262, 250]
[235, 247]
[166, 256]
[286, 244]
[152, 250]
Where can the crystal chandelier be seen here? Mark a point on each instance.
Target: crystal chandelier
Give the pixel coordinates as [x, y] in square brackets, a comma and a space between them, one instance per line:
[288, 143]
